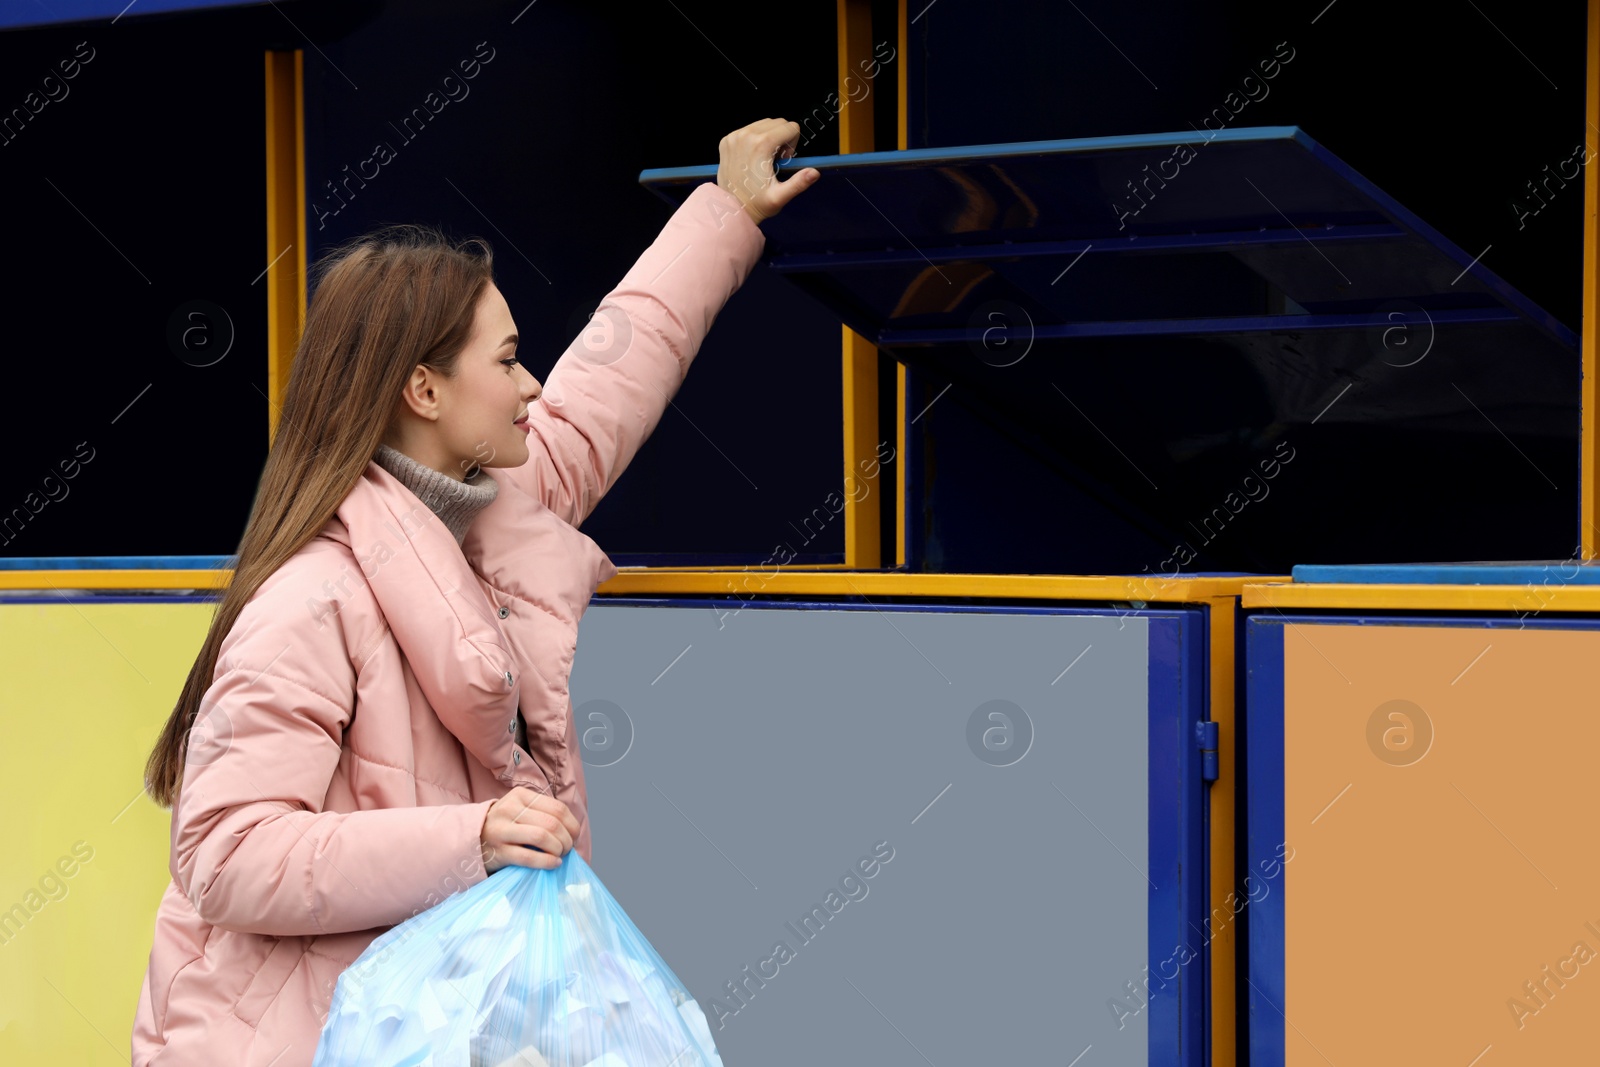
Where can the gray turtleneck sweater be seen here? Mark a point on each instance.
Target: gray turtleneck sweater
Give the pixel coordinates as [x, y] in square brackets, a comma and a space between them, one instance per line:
[456, 503]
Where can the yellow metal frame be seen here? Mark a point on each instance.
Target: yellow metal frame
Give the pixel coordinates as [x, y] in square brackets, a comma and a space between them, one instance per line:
[1135, 590]
[1550, 595]
[863, 514]
[286, 222]
[828, 579]
[59, 580]
[1221, 620]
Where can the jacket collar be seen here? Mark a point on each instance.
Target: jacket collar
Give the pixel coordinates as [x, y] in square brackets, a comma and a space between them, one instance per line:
[441, 618]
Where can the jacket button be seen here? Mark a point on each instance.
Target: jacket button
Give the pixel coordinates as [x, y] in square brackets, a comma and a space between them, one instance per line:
[511, 727]
[504, 612]
[516, 757]
[508, 680]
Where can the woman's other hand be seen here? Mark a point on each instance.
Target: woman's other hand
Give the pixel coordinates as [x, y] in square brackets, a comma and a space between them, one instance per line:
[747, 168]
[525, 818]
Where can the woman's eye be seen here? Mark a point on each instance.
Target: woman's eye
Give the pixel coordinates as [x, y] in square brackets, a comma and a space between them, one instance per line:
[509, 362]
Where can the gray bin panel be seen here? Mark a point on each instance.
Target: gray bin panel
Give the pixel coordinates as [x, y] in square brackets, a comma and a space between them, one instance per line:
[741, 763]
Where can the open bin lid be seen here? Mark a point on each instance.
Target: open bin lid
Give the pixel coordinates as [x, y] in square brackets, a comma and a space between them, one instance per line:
[1259, 238]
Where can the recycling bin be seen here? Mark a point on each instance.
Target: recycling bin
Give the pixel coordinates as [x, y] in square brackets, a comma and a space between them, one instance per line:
[94, 653]
[861, 832]
[1417, 779]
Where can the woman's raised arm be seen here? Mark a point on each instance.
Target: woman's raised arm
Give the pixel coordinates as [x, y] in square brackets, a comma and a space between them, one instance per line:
[608, 390]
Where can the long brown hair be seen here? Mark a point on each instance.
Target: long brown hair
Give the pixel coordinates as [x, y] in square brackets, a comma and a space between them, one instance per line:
[384, 303]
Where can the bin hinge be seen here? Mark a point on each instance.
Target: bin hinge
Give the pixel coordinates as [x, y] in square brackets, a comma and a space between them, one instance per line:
[1205, 736]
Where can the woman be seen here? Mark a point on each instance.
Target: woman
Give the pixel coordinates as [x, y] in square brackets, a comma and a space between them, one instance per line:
[379, 715]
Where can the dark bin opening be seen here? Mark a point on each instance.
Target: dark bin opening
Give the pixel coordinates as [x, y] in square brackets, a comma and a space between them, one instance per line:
[1109, 344]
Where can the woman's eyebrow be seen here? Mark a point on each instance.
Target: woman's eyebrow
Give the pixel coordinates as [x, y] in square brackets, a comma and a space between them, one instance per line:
[511, 340]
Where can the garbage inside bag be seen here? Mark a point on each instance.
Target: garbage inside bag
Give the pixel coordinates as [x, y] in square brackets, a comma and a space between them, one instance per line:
[528, 968]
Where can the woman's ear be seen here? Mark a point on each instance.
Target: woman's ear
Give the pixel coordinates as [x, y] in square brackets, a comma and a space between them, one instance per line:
[420, 393]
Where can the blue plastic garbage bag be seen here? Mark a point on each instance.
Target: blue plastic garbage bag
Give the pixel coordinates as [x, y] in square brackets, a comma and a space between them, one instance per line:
[528, 968]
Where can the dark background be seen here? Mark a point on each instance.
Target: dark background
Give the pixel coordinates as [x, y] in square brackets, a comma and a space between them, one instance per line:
[1450, 108]
[144, 189]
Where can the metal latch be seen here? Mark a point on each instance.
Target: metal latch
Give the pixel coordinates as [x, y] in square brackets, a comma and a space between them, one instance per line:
[1205, 736]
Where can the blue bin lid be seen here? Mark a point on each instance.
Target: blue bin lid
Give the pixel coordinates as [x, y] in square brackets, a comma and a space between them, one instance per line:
[1258, 238]
[116, 563]
[1288, 208]
[1510, 572]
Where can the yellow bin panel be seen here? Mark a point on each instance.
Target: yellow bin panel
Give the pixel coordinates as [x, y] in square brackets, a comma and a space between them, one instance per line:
[84, 863]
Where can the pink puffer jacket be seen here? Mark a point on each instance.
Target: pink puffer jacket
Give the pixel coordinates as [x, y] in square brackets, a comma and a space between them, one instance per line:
[362, 715]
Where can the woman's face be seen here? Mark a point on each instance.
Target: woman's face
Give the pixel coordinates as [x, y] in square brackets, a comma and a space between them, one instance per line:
[478, 409]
